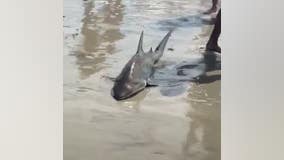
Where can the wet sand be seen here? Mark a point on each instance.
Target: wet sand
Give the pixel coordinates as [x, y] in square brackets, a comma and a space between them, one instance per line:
[99, 38]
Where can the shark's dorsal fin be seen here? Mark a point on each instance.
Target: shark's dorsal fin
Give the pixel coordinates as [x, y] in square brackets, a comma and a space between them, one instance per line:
[140, 44]
[163, 43]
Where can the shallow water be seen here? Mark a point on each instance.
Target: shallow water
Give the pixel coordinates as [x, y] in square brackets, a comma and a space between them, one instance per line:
[177, 122]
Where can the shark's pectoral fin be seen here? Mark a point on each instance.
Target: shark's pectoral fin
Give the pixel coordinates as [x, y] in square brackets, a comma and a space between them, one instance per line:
[151, 83]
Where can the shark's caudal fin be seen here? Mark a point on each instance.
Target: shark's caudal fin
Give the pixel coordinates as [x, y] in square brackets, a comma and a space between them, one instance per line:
[161, 47]
[140, 44]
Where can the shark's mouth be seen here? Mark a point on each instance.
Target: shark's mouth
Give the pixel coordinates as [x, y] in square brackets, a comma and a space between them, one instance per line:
[118, 97]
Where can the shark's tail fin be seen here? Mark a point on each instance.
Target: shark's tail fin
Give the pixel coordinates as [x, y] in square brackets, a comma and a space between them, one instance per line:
[161, 47]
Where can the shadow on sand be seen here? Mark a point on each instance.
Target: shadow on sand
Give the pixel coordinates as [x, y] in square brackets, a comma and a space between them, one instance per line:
[195, 71]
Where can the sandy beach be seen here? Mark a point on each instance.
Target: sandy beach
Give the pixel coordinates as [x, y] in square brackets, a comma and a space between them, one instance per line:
[175, 123]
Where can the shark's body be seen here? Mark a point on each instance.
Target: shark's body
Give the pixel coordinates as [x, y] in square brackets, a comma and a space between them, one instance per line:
[136, 74]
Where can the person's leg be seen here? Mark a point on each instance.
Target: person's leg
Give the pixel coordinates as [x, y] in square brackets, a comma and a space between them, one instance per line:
[214, 5]
[212, 44]
[213, 8]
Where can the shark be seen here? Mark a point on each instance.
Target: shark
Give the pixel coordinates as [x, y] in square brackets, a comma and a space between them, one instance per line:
[136, 74]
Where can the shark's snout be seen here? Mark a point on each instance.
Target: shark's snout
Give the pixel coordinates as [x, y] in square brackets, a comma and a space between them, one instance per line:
[124, 91]
[121, 92]
[119, 95]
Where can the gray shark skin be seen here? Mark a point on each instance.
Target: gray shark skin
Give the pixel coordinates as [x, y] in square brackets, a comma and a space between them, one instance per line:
[136, 74]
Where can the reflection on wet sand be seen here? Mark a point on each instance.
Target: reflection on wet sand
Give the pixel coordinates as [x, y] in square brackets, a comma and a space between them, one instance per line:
[135, 101]
[203, 140]
[100, 31]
